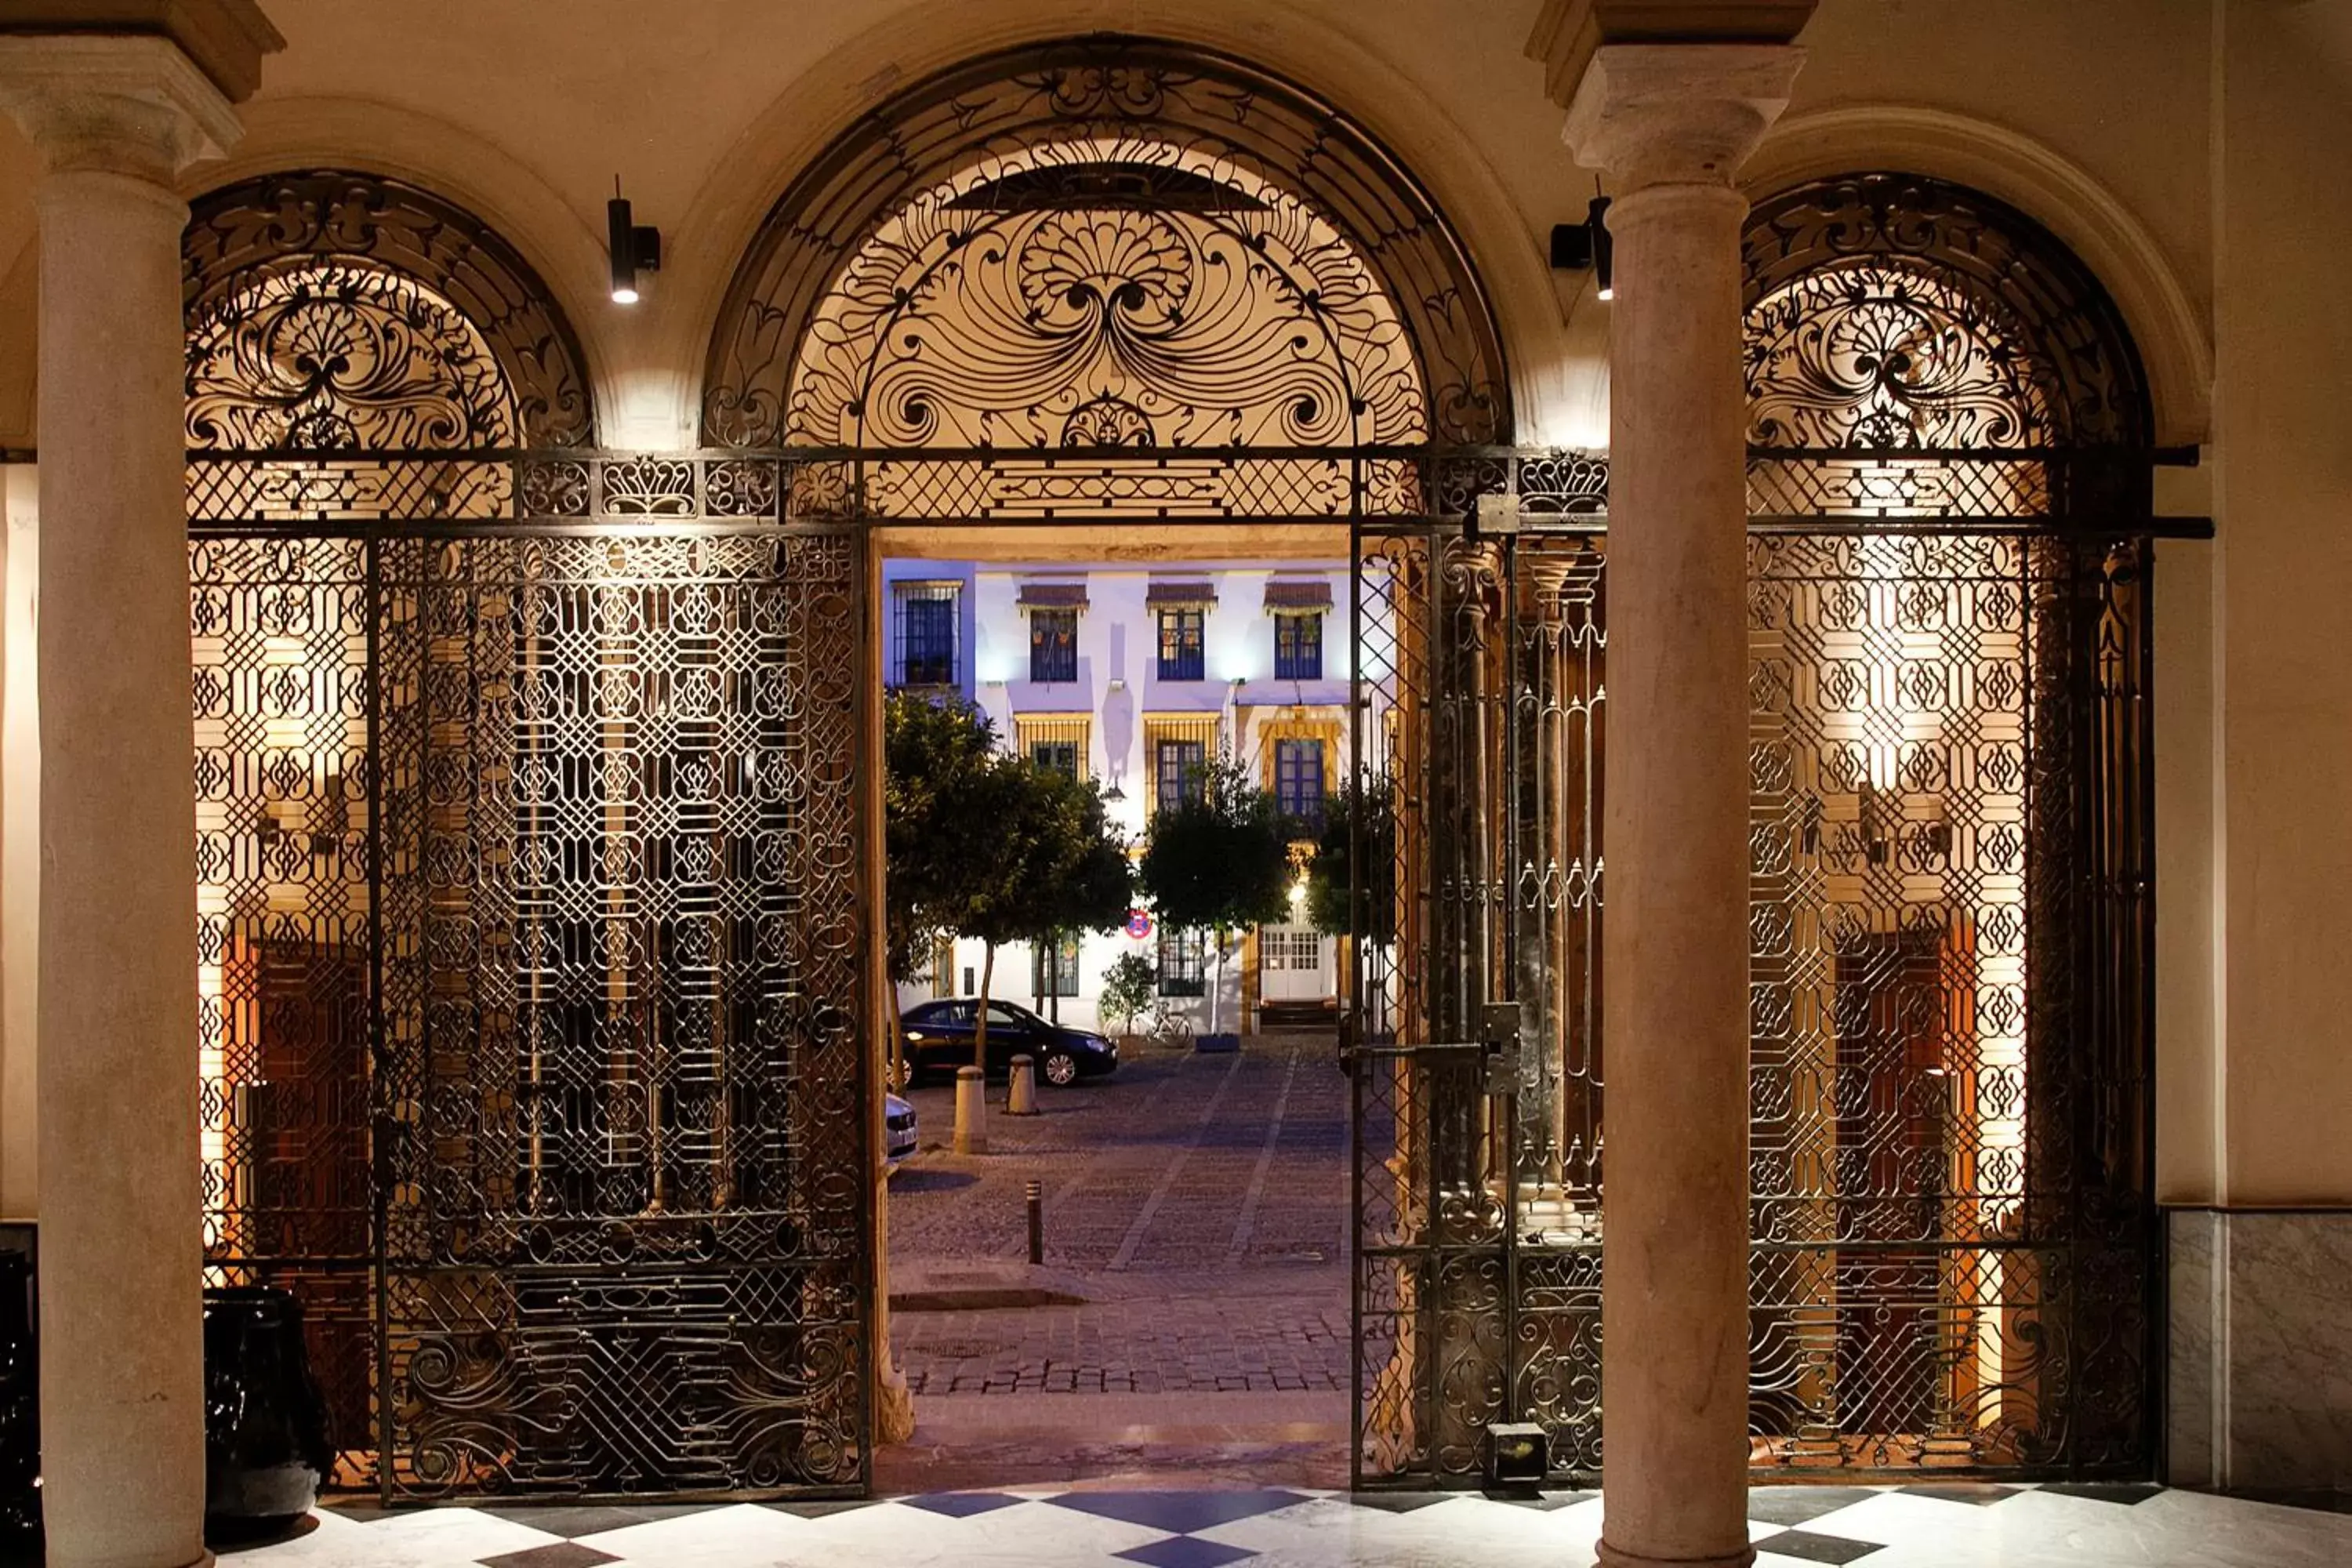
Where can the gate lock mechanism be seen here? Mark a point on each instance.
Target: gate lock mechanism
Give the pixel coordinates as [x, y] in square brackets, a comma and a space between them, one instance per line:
[1499, 1032]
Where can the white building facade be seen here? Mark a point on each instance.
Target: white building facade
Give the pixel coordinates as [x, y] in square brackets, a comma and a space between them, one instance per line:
[1139, 676]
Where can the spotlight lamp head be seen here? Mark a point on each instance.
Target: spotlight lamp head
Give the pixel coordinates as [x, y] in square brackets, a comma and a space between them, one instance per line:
[1587, 246]
[1604, 248]
[635, 248]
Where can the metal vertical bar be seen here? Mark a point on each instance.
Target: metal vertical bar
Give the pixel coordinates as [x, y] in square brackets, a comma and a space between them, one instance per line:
[1359, 712]
[378, 1110]
[1504, 957]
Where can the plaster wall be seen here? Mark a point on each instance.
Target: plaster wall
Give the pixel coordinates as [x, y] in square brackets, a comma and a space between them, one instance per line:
[2283, 471]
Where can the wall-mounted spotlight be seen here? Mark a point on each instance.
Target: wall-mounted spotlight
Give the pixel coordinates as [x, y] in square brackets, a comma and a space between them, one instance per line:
[1578, 246]
[636, 247]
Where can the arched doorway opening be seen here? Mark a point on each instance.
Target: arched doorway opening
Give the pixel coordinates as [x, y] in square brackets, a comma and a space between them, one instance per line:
[1124, 310]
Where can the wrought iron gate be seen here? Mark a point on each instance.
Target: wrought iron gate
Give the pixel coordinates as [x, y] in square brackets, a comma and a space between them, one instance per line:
[532, 892]
[1952, 1262]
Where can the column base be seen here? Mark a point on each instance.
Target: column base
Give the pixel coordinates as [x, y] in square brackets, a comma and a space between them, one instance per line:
[1615, 1557]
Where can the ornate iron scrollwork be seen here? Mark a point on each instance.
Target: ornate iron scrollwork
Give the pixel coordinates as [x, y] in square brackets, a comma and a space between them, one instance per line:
[1170, 215]
[322, 297]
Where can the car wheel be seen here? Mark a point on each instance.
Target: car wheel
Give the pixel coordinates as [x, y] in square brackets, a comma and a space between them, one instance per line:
[1061, 1069]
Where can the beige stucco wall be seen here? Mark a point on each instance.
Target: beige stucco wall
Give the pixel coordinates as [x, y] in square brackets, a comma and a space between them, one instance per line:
[2282, 479]
[2115, 122]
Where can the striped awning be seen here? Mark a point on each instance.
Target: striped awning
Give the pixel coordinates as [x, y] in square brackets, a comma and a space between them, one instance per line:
[1186, 592]
[1052, 596]
[1310, 594]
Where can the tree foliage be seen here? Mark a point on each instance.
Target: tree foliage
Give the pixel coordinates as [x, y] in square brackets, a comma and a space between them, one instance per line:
[1330, 875]
[1218, 860]
[936, 756]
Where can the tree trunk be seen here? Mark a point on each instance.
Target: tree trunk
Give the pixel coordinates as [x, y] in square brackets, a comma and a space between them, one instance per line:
[1217, 987]
[980, 1020]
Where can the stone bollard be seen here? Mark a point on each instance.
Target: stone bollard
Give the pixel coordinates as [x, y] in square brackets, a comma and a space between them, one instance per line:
[1021, 1097]
[971, 1112]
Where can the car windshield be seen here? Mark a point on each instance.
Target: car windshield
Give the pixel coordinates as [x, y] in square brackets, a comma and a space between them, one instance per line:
[1006, 1012]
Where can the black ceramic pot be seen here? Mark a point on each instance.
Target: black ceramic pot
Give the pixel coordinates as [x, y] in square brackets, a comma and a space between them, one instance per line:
[20, 1407]
[265, 1450]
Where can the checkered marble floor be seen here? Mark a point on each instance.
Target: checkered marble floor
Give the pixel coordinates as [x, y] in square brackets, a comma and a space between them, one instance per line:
[1902, 1526]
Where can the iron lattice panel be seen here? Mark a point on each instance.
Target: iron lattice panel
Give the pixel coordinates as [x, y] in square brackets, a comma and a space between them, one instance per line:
[625, 1233]
[530, 907]
[1952, 1256]
[279, 645]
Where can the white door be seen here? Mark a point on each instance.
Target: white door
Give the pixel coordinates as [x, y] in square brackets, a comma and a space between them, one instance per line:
[1293, 964]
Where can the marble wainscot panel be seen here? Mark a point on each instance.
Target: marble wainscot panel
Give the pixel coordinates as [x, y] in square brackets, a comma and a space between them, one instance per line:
[2261, 1341]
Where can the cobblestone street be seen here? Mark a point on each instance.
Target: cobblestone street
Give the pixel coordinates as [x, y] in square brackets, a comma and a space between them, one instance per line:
[1195, 1282]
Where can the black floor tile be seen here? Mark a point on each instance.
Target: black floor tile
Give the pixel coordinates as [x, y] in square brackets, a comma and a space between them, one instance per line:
[562, 1554]
[823, 1509]
[1185, 1552]
[2123, 1492]
[1179, 1513]
[572, 1520]
[960, 1505]
[1398, 1502]
[1542, 1503]
[1802, 1505]
[1807, 1547]
[1980, 1494]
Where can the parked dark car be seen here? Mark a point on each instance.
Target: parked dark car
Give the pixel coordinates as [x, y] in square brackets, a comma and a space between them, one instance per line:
[938, 1039]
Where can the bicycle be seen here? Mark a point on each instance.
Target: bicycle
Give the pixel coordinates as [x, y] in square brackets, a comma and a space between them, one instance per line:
[1171, 1027]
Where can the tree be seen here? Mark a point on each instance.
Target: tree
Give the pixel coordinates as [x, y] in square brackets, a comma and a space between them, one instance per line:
[1126, 990]
[1045, 859]
[1218, 859]
[936, 757]
[1367, 809]
[1330, 877]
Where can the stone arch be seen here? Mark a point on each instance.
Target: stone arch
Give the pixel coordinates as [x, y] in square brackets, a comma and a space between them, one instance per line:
[426, 279]
[1128, 96]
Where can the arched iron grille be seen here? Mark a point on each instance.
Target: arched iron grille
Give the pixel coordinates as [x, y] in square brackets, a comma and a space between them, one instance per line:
[1104, 124]
[1950, 546]
[1951, 1189]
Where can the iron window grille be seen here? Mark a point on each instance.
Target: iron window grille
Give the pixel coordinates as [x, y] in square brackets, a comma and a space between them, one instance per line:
[926, 634]
[1052, 647]
[1056, 756]
[1181, 650]
[1299, 646]
[1298, 781]
[1183, 963]
[1053, 967]
[1181, 769]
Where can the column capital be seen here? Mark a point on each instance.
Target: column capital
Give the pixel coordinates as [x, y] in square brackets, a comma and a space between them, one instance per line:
[124, 105]
[1686, 114]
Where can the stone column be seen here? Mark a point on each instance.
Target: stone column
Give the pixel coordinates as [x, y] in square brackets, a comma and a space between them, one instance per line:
[1672, 123]
[115, 119]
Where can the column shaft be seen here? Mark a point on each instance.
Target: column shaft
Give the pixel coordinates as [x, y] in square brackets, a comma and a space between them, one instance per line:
[1674, 1306]
[1675, 122]
[121, 1269]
